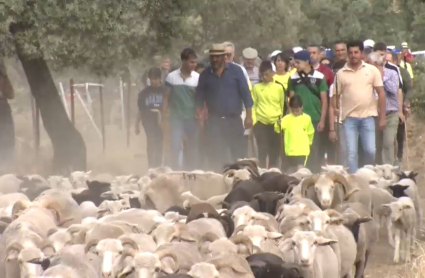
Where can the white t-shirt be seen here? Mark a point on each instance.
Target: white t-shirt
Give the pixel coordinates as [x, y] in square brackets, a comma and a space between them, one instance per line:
[340, 110]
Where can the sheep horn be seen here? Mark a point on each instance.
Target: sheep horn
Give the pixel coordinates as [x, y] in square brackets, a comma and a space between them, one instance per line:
[76, 228]
[243, 239]
[19, 206]
[208, 237]
[47, 244]
[90, 244]
[238, 229]
[14, 246]
[130, 241]
[307, 183]
[166, 253]
[339, 179]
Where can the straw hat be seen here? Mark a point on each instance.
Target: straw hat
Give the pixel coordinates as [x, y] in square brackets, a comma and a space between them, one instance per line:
[217, 49]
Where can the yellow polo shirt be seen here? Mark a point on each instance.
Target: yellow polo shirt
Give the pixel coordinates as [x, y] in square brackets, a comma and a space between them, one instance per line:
[268, 99]
[299, 134]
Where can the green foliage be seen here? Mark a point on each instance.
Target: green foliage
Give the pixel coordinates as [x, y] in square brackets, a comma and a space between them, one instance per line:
[418, 98]
[105, 36]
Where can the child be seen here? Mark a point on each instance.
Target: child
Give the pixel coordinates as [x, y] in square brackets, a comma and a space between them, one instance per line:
[268, 98]
[150, 101]
[299, 133]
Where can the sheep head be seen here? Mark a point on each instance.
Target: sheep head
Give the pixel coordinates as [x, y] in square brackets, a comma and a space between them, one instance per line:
[167, 232]
[407, 175]
[27, 255]
[246, 215]
[204, 270]
[151, 265]
[257, 234]
[232, 176]
[244, 245]
[59, 239]
[398, 208]
[324, 187]
[112, 207]
[304, 245]
[339, 169]
[398, 190]
[386, 171]
[322, 219]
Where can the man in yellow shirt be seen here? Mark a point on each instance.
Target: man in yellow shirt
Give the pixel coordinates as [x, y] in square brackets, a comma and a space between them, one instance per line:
[299, 134]
[268, 98]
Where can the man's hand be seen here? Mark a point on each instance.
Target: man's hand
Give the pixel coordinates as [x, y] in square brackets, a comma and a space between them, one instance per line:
[332, 136]
[248, 122]
[401, 117]
[320, 126]
[382, 122]
[137, 129]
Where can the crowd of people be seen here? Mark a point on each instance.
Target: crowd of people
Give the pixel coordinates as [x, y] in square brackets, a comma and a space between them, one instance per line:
[300, 107]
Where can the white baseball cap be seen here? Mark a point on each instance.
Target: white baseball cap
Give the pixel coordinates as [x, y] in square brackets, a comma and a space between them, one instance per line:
[274, 53]
[404, 45]
[297, 49]
[368, 43]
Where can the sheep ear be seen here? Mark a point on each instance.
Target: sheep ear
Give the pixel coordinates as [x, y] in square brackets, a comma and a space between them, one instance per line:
[44, 263]
[394, 168]
[413, 175]
[185, 235]
[13, 255]
[126, 271]
[325, 241]
[286, 245]
[260, 216]
[364, 219]
[88, 173]
[274, 235]
[324, 168]
[385, 205]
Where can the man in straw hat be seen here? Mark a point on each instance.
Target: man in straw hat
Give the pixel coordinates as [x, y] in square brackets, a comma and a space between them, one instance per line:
[223, 88]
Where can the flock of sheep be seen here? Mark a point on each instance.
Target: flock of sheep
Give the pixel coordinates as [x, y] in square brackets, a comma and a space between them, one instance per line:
[247, 222]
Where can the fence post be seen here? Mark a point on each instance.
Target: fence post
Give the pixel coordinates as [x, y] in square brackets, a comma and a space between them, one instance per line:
[102, 119]
[128, 110]
[71, 89]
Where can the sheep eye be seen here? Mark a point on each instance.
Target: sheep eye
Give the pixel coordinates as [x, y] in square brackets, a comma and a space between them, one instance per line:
[157, 269]
[327, 222]
[120, 252]
[315, 243]
[293, 243]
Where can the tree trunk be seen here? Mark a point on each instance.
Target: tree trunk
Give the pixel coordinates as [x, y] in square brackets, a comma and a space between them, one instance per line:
[68, 144]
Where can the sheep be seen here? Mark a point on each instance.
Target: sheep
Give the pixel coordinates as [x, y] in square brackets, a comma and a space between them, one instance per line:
[403, 218]
[262, 269]
[368, 173]
[112, 207]
[169, 259]
[59, 182]
[210, 245]
[250, 164]
[267, 201]
[380, 215]
[408, 188]
[78, 179]
[247, 216]
[59, 238]
[88, 209]
[387, 171]
[302, 173]
[339, 169]
[222, 266]
[189, 200]
[93, 193]
[261, 238]
[193, 231]
[59, 264]
[281, 183]
[312, 252]
[364, 229]
[9, 183]
[326, 189]
[165, 190]
[200, 209]
[329, 223]
[407, 175]
[155, 172]
[242, 191]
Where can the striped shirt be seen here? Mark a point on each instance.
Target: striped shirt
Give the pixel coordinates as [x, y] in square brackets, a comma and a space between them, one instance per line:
[391, 85]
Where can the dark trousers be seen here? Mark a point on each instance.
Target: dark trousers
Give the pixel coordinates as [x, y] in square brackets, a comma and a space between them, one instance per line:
[400, 140]
[225, 134]
[7, 137]
[154, 141]
[314, 160]
[268, 143]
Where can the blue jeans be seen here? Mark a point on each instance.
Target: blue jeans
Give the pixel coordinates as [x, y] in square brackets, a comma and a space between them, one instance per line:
[342, 156]
[365, 127]
[178, 129]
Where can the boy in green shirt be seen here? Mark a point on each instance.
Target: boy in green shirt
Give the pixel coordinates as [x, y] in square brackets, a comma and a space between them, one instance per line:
[299, 134]
[310, 85]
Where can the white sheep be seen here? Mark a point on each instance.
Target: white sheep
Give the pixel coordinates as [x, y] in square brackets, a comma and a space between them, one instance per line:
[403, 218]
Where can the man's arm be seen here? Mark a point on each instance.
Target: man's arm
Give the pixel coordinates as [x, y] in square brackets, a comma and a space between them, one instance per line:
[391, 82]
[323, 88]
[200, 95]
[381, 101]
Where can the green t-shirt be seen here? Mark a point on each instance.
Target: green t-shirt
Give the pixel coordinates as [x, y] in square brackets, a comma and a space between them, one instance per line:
[311, 100]
[181, 101]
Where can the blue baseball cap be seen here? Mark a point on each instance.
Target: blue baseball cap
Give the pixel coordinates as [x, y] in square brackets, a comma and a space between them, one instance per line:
[396, 50]
[302, 55]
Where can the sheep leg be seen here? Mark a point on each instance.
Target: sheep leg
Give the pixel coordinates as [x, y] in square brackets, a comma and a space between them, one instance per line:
[402, 245]
[397, 246]
[407, 244]
[360, 267]
[390, 231]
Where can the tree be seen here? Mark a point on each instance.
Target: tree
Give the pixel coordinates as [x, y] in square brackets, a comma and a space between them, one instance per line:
[100, 35]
